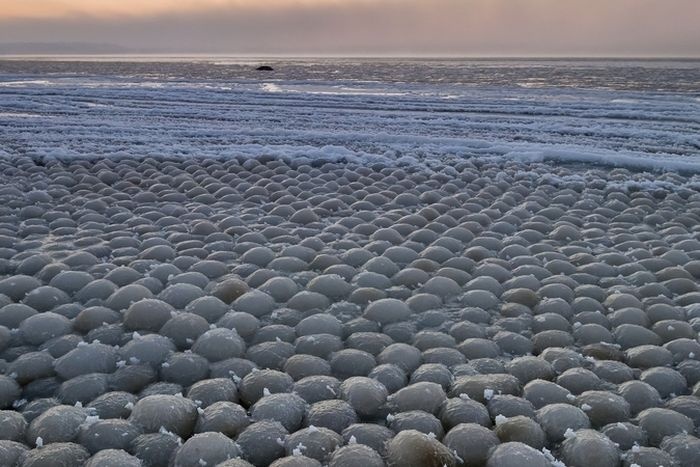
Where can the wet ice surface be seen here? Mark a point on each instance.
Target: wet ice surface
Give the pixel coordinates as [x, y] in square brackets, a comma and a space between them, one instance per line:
[643, 114]
[403, 275]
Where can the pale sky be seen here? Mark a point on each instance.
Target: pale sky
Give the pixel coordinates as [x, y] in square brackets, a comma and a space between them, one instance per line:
[434, 27]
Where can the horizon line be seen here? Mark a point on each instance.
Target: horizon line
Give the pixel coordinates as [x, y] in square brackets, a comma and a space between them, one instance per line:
[287, 56]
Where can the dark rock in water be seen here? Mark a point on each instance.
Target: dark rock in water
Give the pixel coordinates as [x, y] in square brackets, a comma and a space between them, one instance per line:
[265, 68]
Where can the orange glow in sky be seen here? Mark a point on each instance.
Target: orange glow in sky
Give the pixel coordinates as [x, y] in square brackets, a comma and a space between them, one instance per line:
[453, 27]
[24, 9]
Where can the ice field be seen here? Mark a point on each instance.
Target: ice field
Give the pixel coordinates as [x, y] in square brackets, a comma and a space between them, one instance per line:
[371, 263]
[641, 115]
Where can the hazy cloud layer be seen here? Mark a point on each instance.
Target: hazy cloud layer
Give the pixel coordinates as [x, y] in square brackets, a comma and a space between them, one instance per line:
[469, 27]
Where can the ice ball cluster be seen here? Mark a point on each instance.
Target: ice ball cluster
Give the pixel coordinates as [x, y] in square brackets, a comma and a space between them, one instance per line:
[194, 312]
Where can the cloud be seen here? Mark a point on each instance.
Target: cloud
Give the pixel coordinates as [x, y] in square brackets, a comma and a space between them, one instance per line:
[43, 9]
[472, 27]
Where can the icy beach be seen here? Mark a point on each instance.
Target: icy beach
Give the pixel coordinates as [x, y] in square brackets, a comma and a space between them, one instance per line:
[349, 263]
[640, 115]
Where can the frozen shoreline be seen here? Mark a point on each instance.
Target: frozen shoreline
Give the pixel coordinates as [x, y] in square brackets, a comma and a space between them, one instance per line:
[147, 114]
[326, 313]
[233, 272]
